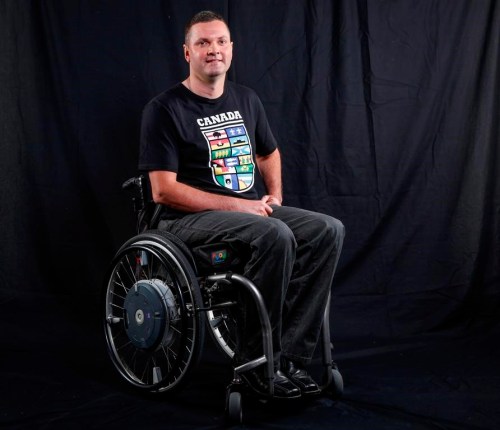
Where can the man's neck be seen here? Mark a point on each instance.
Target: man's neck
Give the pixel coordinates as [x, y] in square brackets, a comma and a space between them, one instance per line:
[210, 90]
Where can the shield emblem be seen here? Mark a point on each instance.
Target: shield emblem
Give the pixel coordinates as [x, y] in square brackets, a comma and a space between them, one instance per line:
[231, 158]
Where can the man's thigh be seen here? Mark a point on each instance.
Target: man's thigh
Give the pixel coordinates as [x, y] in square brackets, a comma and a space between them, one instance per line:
[305, 224]
[219, 226]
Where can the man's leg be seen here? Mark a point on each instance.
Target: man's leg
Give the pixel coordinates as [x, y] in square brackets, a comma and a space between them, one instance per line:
[319, 242]
[271, 248]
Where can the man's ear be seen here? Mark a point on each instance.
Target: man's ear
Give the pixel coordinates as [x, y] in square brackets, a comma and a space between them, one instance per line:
[186, 52]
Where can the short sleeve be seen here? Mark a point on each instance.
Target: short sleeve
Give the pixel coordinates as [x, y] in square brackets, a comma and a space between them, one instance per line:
[265, 140]
[158, 144]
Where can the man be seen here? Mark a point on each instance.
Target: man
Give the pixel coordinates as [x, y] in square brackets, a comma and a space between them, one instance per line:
[202, 142]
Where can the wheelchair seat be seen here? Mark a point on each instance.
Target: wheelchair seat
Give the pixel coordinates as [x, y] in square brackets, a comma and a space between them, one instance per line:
[159, 298]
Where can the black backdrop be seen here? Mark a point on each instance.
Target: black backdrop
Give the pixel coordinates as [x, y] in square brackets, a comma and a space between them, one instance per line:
[387, 116]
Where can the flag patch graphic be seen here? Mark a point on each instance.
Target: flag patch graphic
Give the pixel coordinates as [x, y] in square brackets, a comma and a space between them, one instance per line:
[231, 156]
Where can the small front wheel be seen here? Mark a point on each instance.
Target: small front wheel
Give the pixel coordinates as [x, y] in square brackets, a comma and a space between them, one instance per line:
[234, 410]
[336, 387]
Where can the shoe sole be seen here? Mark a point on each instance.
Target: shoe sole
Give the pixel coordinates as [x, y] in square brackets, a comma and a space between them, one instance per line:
[267, 395]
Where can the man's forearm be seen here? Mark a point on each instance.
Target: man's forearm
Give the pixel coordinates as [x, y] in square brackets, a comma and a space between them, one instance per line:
[167, 191]
[270, 170]
[189, 199]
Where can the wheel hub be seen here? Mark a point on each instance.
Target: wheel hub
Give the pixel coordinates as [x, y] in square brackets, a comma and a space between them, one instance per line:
[149, 308]
[139, 316]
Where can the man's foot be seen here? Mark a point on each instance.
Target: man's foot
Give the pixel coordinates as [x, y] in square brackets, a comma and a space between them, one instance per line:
[283, 387]
[299, 377]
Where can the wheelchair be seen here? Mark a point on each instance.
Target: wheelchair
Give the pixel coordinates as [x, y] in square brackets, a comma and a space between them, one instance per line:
[159, 301]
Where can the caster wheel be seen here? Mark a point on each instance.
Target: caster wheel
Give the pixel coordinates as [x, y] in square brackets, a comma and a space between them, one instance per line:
[234, 410]
[336, 388]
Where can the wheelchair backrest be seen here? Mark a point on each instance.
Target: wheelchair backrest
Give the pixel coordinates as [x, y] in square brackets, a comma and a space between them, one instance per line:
[147, 211]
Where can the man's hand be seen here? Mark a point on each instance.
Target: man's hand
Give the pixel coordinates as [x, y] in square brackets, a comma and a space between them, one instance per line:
[257, 207]
[271, 200]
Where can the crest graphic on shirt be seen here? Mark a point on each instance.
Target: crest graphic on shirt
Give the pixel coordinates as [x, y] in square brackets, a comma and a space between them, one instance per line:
[230, 156]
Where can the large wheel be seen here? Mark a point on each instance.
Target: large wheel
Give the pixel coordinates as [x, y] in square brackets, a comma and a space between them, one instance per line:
[153, 329]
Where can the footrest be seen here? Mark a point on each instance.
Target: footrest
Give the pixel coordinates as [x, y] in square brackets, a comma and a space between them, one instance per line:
[251, 365]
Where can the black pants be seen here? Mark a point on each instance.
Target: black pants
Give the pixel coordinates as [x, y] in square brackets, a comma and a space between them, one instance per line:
[292, 259]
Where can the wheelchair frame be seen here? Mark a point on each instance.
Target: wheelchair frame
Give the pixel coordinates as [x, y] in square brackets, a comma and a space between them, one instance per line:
[158, 300]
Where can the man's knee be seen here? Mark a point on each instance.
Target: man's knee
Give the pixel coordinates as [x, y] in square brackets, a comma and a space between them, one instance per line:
[337, 228]
[328, 235]
[329, 227]
[278, 235]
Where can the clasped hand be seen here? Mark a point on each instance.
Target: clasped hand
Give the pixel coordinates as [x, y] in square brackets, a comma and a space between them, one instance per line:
[260, 207]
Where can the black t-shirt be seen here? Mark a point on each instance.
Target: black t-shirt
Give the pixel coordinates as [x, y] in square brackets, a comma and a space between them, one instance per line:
[210, 143]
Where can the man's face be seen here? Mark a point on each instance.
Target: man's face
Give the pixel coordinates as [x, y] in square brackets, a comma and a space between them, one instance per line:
[209, 50]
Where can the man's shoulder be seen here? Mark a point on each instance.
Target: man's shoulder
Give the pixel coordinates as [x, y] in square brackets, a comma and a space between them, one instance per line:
[240, 89]
[167, 96]
[245, 94]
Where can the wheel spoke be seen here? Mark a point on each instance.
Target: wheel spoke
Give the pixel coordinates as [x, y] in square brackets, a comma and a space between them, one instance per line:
[118, 348]
[117, 295]
[131, 269]
[121, 283]
[151, 266]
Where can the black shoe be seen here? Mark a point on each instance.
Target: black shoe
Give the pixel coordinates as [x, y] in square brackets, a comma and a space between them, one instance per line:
[300, 378]
[283, 388]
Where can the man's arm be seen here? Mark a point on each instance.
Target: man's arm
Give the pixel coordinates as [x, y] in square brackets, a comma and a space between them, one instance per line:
[270, 170]
[168, 191]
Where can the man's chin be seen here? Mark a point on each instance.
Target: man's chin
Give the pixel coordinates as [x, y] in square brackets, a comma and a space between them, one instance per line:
[217, 69]
[216, 73]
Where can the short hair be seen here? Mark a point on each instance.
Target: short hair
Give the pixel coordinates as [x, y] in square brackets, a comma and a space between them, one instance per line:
[203, 16]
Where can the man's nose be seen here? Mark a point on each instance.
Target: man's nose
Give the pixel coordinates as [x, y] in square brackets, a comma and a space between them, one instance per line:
[213, 48]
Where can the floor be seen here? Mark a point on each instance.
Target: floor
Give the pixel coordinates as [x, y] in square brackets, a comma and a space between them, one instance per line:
[56, 375]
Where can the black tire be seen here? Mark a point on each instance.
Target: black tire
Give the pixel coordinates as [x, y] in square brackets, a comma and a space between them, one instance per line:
[336, 387]
[234, 408]
[153, 329]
